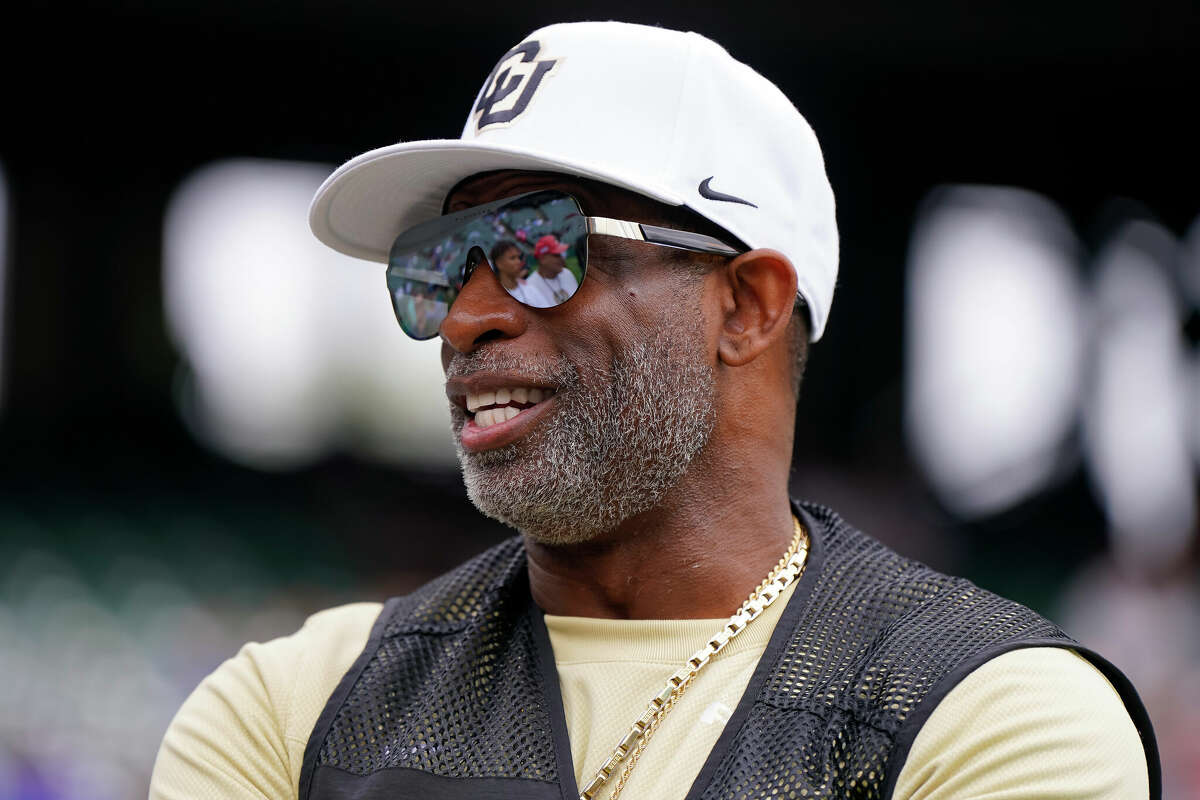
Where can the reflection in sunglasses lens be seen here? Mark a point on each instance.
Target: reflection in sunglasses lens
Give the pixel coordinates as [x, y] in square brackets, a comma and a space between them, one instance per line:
[535, 244]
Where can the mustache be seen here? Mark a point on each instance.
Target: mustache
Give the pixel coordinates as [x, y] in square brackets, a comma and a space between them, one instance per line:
[557, 371]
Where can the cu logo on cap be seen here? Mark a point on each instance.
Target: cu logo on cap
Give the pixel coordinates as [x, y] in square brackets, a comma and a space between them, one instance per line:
[512, 85]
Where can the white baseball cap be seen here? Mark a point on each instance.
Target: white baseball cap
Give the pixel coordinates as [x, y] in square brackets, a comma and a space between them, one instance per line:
[666, 114]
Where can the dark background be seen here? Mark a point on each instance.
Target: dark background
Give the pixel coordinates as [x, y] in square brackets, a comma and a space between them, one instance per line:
[106, 110]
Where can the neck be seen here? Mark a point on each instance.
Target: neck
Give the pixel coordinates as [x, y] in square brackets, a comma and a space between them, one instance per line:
[697, 555]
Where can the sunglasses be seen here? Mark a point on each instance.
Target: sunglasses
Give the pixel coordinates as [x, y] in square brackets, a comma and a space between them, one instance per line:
[535, 244]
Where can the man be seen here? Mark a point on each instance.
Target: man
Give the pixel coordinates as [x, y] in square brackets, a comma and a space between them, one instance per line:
[638, 436]
[510, 269]
[553, 283]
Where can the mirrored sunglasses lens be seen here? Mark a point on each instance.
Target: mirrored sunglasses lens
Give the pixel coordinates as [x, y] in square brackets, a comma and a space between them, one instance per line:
[539, 249]
[536, 244]
[423, 282]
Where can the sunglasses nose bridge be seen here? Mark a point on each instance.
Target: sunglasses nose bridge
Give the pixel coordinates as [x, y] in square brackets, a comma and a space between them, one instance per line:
[475, 256]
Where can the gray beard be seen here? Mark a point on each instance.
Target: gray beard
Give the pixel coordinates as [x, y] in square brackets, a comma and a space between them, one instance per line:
[617, 441]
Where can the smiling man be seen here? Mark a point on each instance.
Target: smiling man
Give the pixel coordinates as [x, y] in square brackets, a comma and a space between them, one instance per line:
[666, 623]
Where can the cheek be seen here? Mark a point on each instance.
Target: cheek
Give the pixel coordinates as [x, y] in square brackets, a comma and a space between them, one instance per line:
[615, 307]
[592, 329]
[638, 312]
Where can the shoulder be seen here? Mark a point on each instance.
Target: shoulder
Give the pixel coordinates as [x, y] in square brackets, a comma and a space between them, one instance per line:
[535, 288]
[1041, 720]
[1009, 705]
[303, 665]
[902, 607]
[242, 731]
[298, 672]
[334, 628]
[299, 666]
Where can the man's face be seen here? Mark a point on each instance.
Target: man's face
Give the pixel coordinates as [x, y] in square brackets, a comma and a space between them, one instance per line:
[570, 420]
[510, 263]
[550, 264]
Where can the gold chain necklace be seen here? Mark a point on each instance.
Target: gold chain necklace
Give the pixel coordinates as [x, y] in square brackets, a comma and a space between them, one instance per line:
[787, 571]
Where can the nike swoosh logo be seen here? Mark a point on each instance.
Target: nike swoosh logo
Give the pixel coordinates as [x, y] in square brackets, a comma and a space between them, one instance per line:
[712, 194]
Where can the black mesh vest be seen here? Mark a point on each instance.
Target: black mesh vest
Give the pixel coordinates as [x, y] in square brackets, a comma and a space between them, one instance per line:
[456, 694]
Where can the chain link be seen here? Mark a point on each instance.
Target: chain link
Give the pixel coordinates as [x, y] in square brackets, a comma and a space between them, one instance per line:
[645, 740]
[631, 747]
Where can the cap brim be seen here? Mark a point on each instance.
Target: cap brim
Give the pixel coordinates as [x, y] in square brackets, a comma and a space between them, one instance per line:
[361, 208]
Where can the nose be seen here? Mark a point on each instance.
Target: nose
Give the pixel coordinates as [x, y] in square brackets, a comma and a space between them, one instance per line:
[482, 311]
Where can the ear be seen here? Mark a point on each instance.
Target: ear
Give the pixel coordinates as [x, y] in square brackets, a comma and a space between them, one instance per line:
[757, 297]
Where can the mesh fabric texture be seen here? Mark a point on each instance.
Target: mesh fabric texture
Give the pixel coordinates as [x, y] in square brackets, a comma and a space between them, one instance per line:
[452, 689]
[453, 685]
[878, 632]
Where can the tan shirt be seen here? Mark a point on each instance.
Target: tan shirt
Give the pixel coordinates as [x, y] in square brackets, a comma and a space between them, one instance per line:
[1039, 722]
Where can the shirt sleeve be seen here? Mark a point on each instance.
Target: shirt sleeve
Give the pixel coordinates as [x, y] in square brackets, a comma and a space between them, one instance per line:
[241, 734]
[1029, 724]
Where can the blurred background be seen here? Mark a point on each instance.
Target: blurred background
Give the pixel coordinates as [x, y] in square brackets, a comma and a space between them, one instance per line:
[211, 427]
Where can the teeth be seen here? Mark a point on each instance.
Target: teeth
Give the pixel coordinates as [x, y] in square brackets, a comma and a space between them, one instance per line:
[493, 416]
[481, 404]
